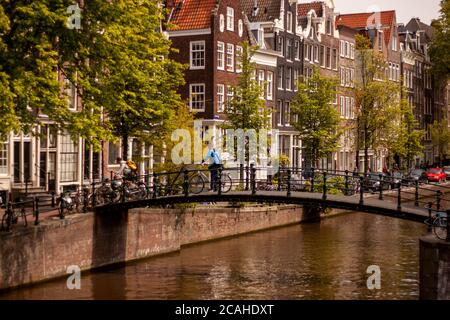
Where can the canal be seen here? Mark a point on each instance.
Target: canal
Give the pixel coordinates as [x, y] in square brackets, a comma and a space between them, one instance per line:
[308, 261]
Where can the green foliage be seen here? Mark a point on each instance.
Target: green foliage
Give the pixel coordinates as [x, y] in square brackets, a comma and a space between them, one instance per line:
[247, 110]
[117, 60]
[440, 46]
[407, 139]
[440, 137]
[317, 119]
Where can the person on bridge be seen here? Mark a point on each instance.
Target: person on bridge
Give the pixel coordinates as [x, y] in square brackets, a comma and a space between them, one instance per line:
[215, 163]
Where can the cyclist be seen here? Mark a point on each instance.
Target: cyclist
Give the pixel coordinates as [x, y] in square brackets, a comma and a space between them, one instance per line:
[215, 163]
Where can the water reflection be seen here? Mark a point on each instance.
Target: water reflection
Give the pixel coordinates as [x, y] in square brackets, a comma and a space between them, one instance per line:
[310, 261]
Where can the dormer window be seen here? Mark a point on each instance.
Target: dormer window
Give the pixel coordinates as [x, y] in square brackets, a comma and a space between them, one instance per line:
[329, 27]
[230, 19]
[394, 42]
[261, 38]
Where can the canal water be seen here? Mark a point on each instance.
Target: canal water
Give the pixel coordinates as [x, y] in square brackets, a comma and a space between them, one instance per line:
[328, 260]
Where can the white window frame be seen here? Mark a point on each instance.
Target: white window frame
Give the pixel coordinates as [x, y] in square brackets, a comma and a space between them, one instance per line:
[220, 98]
[191, 54]
[261, 81]
[280, 84]
[199, 85]
[289, 22]
[269, 85]
[352, 51]
[230, 19]
[289, 79]
[4, 157]
[220, 55]
[239, 59]
[230, 57]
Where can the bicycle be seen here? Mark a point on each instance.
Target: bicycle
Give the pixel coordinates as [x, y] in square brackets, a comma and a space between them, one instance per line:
[439, 224]
[199, 179]
[11, 217]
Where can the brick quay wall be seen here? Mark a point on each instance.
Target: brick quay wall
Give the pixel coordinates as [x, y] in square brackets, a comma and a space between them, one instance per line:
[35, 254]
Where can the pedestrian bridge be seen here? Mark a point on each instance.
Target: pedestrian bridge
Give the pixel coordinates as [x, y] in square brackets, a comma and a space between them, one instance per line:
[373, 194]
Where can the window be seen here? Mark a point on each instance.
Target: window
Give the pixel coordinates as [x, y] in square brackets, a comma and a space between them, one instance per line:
[220, 56]
[113, 152]
[198, 55]
[289, 49]
[230, 19]
[69, 158]
[341, 105]
[295, 80]
[328, 58]
[287, 113]
[238, 59]
[342, 48]
[347, 107]
[280, 77]
[289, 22]
[261, 76]
[289, 79]
[347, 49]
[241, 28]
[394, 42]
[280, 112]
[230, 57]
[380, 40]
[316, 53]
[221, 23]
[322, 56]
[261, 38]
[71, 94]
[220, 97]
[230, 94]
[306, 51]
[269, 85]
[280, 45]
[352, 51]
[197, 97]
[334, 64]
[297, 50]
[4, 158]
[328, 27]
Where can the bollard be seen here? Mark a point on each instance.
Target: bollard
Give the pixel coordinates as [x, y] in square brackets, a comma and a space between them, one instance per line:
[186, 183]
[219, 181]
[381, 187]
[36, 211]
[324, 196]
[346, 183]
[253, 178]
[61, 207]
[438, 200]
[289, 176]
[416, 196]
[247, 176]
[361, 190]
[312, 179]
[155, 185]
[53, 199]
[430, 210]
[94, 195]
[399, 197]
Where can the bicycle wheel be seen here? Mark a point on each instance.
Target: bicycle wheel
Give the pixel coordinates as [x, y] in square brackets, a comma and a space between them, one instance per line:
[440, 228]
[227, 183]
[196, 184]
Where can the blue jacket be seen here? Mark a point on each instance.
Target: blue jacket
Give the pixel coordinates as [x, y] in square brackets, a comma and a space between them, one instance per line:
[214, 155]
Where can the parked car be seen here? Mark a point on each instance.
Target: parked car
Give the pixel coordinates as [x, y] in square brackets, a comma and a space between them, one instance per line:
[419, 175]
[395, 179]
[372, 182]
[447, 171]
[436, 175]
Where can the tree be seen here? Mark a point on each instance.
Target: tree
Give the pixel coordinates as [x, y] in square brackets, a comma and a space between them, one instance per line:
[317, 120]
[116, 59]
[247, 109]
[440, 46]
[440, 137]
[407, 142]
[378, 99]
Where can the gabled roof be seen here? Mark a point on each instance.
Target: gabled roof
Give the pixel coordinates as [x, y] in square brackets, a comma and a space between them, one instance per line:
[192, 14]
[268, 10]
[360, 21]
[415, 25]
[304, 8]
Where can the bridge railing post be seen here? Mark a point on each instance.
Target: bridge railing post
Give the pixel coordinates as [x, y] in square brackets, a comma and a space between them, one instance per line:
[430, 211]
[94, 194]
[324, 195]
[381, 187]
[438, 200]
[361, 190]
[312, 179]
[253, 178]
[247, 178]
[241, 174]
[399, 197]
[36, 211]
[219, 181]
[155, 185]
[186, 183]
[416, 195]
[147, 185]
[346, 183]
[289, 177]
[85, 199]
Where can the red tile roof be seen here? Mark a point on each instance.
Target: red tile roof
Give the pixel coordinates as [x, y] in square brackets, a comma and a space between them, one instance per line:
[304, 8]
[363, 20]
[192, 14]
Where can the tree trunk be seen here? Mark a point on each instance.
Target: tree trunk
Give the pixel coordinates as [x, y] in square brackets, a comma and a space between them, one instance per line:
[125, 147]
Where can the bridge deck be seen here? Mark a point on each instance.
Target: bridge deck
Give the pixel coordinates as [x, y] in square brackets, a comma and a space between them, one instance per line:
[370, 205]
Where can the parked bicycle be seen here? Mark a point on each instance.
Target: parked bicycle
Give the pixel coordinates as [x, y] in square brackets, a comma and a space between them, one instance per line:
[438, 223]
